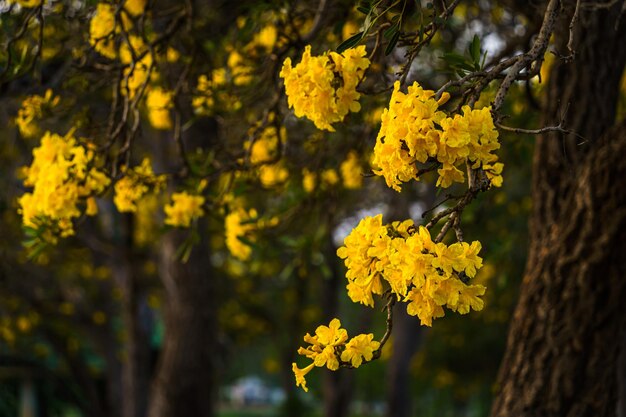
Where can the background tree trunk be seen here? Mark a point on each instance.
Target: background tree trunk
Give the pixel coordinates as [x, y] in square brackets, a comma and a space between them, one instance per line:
[185, 383]
[564, 340]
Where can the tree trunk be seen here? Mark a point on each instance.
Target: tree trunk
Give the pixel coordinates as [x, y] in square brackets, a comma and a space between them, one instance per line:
[185, 384]
[564, 341]
[135, 363]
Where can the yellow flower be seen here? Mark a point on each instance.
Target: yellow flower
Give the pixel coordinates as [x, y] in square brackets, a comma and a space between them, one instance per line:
[63, 175]
[135, 73]
[102, 30]
[238, 225]
[272, 175]
[329, 176]
[159, 102]
[241, 73]
[406, 260]
[300, 374]
[136, 183]
[33, 108]
[323, 88]
[414, 131]
[184, 209]
[360, 348]
[309, 180]
[407, 134]
[135, 7]
[351, 172]
[331, 335]
[266, 37]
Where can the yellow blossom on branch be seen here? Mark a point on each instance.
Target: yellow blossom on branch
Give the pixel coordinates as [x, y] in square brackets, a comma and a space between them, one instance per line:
[136, 183]
[184, 209]
[351, 172]
[159, 102]
[102, 30]
[414, 131]
[404, 259]
[323, 88]
[63, 176]
[330, 347]
[33, 108]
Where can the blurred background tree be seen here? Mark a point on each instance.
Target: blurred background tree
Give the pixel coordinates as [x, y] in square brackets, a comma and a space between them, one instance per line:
[150, 308]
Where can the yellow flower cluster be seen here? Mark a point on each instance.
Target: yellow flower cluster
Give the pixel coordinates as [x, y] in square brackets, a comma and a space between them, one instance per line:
[263, 151]
[135, 184]
[33, 108]
[135, 75]
[425, 274]
[211, 90]
[240, 225]
[323, 88]
[351, 172]
[329, 345]
[102, 30]
[159, 102]
[240, 71]
[264, 39]
[414, 131]
[63, 176]
[184, 209]
[103, 26]
[135, 7]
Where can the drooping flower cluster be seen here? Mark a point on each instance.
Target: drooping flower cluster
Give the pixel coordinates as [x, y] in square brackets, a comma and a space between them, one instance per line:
[414, 131]
[330, 347]
[323, 88]
[33, 108]
[402, 257]
[184, 209]
[64, 177]
[135, 184]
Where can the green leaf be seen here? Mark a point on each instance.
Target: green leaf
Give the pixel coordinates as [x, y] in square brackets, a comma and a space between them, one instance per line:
[392, 43]
[390, 32]
[246, 241]
[350, 42]
[364, 9]
[456, 62]
[474, 50]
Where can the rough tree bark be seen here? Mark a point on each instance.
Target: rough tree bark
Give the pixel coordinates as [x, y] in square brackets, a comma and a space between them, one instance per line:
[185, 383]
[564, 341]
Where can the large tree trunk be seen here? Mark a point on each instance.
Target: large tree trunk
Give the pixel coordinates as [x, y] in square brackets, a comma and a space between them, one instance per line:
[564, 340]
[185, 384]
